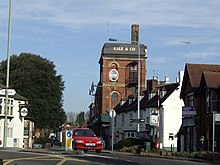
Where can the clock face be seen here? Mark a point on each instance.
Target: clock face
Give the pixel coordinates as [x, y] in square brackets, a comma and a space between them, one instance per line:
[113, 75]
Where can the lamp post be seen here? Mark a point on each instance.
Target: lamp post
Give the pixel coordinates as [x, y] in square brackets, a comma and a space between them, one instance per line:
[138, 97]
[7, 77]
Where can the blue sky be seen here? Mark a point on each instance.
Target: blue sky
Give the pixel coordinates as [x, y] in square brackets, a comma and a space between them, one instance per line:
[71, 33]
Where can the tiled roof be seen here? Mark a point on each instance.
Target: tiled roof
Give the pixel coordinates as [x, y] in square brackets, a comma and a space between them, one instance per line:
[145, 102]
[195, 72]
[212, 79]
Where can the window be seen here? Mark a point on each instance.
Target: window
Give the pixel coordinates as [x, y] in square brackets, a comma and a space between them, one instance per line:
[10, 132]
[163, 92]
[114, 97]
[190, 100]
[26, 131]
[214, 99]
[207, 101]
[132, 134]
[211, 101]
[141, 114]
[115, 121]
[130, 117]
[122, 119]
[171, 136]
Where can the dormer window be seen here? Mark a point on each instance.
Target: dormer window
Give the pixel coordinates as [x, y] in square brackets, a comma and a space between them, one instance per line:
[163, 92]
[151, 95]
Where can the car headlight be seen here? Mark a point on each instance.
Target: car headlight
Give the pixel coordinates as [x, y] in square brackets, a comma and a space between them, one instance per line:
[79, 141]
[99, 142]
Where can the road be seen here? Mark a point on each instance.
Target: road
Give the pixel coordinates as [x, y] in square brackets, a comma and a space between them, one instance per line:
[11, 157]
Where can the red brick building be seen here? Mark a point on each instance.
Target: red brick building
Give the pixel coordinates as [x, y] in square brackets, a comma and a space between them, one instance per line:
[201, 94]
[118, 79]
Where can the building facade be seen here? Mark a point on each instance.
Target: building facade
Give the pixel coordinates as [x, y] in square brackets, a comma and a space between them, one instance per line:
[159, 125]
[201, 94]
[15, 119]
[118, 79]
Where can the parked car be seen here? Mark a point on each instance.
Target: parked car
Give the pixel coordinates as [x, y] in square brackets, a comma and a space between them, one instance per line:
[85, 139]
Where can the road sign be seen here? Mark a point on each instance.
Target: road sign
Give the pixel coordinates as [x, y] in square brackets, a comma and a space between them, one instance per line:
[217, 118]
[137, 120]
[69, 134]
[112, 113]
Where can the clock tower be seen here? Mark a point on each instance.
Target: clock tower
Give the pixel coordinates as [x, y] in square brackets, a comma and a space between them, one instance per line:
[119, 72]
[118, 79]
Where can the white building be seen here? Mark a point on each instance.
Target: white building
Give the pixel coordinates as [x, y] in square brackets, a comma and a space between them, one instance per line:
[169, 119]
[15, 119]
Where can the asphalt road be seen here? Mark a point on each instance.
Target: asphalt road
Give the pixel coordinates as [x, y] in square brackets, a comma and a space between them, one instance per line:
[91, 158]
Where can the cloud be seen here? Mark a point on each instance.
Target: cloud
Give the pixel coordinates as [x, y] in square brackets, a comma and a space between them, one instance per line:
[77, 14]
[210, 53]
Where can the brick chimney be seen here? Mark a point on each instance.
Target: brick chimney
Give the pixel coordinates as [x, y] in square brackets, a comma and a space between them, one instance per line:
[135, 33]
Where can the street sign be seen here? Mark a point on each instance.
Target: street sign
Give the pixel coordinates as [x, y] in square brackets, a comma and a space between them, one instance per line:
[69, 134]
[137, 120]
[112, 113]
[217, 118]
[188, 111]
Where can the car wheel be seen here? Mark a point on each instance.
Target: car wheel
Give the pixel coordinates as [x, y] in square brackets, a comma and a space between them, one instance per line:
[98, 151]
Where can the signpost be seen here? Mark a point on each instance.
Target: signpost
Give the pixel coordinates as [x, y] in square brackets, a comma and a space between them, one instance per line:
[112, 114]
[68, 144]
[216, 121]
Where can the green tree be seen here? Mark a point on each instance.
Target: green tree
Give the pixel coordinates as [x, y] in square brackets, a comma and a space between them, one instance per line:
[35, 78]
[80, 118]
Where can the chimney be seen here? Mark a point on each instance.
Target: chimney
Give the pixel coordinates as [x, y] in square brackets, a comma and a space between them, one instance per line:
[135, 33]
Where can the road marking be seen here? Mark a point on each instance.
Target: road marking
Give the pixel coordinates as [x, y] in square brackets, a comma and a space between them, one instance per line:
[101, 156]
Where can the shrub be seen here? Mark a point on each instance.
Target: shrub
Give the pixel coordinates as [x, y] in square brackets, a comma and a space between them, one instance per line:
[42, 141]
[131, 142]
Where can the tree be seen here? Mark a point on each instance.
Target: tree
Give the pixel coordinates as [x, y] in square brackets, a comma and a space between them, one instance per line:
[71, 117]
[35, 78]
[80, 118]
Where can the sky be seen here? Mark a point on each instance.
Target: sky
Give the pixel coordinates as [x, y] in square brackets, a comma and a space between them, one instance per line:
[71, 34]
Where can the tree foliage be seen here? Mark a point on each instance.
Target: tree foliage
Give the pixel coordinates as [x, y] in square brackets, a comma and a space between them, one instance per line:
[80, 118]
[35, 78]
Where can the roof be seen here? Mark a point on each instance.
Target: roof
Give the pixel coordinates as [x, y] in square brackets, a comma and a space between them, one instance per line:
[145, 102]
[19, 97]
[193, 74]
[122, 50]
[212, 79]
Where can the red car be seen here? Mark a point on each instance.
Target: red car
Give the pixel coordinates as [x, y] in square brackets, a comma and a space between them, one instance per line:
[85, 139]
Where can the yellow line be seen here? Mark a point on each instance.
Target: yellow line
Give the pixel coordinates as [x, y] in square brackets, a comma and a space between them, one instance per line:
[29, 158]
[63, 161]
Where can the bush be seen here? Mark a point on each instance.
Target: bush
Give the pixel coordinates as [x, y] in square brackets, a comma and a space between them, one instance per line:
[131, 142]
[198, 155]
[42, 141]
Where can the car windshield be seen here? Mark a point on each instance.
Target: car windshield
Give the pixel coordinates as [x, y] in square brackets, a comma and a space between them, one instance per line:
[84, 133]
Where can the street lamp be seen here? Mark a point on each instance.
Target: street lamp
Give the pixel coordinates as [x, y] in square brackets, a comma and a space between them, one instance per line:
[138, 97]
[7, 77]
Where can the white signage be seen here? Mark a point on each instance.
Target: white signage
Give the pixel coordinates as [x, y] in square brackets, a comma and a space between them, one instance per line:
[24, 112]
[112, 113]
[217, 117]
[113, 75]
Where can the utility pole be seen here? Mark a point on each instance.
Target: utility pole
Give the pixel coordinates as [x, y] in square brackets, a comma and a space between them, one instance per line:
[7, 77]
